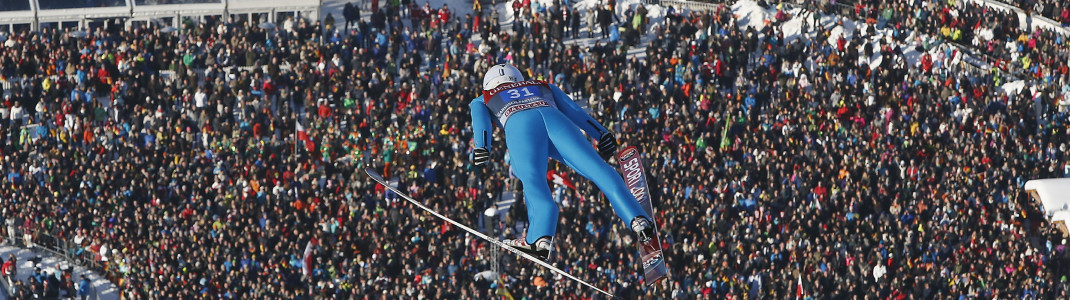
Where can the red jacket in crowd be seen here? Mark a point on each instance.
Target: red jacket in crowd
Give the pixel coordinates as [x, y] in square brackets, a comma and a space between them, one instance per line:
[8, 269]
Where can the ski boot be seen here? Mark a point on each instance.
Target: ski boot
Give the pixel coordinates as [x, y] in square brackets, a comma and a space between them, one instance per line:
[541, 248]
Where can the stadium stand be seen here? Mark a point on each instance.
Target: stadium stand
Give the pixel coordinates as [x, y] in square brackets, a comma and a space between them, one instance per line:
[875, 149]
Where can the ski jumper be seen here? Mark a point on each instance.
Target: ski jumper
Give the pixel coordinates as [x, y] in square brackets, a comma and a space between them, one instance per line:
[541, 122]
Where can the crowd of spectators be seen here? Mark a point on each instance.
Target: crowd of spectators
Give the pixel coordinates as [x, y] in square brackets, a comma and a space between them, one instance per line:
[997, 33]
[782, 165]
[1058, 11]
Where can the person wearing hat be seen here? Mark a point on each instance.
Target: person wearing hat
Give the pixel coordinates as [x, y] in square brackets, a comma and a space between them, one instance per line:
[540, 121]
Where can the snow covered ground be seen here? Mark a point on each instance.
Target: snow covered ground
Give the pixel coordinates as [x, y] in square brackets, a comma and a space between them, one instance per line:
[102, 288]
[750, 14]
[1014, 87]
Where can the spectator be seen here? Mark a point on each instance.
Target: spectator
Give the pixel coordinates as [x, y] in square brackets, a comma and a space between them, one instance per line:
[605, 18]
[351, 14]
[10, 270]
[83, 288]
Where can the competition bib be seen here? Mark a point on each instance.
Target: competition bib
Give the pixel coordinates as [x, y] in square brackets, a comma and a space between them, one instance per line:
[508, 99]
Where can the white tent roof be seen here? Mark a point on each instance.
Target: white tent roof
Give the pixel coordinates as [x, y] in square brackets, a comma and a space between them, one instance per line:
[1053, 194]
[1061, 216]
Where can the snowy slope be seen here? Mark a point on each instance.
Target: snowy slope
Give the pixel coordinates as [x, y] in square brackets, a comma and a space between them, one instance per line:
[749, 14]
[1014, 87]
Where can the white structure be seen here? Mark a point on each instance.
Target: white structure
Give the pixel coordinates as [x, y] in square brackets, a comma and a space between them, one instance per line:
[169, 14]
[172, 14]
[17, 18]
[1054, 195]
[275, 10]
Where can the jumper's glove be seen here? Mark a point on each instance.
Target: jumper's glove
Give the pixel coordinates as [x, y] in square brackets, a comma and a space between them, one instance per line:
[607, 145]
[480, 156]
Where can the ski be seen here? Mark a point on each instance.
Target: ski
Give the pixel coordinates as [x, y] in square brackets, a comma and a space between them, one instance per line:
[631, 166]
[378, 178]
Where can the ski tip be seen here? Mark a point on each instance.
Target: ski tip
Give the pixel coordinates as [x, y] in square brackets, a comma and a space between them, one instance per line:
[371, 172]
[375, 175]
[627, 153]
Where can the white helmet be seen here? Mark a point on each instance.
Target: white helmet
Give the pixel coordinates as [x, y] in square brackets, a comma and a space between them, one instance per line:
[501, 74]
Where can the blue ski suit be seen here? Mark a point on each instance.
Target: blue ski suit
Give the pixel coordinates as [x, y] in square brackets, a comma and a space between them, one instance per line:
[541, 122]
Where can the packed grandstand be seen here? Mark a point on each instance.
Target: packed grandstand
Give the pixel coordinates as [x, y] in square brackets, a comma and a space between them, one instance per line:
[819, 149]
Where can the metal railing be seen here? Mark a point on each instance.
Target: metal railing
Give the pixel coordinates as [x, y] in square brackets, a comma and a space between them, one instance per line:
[36, 17]
[51, 242]
[690, 5]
